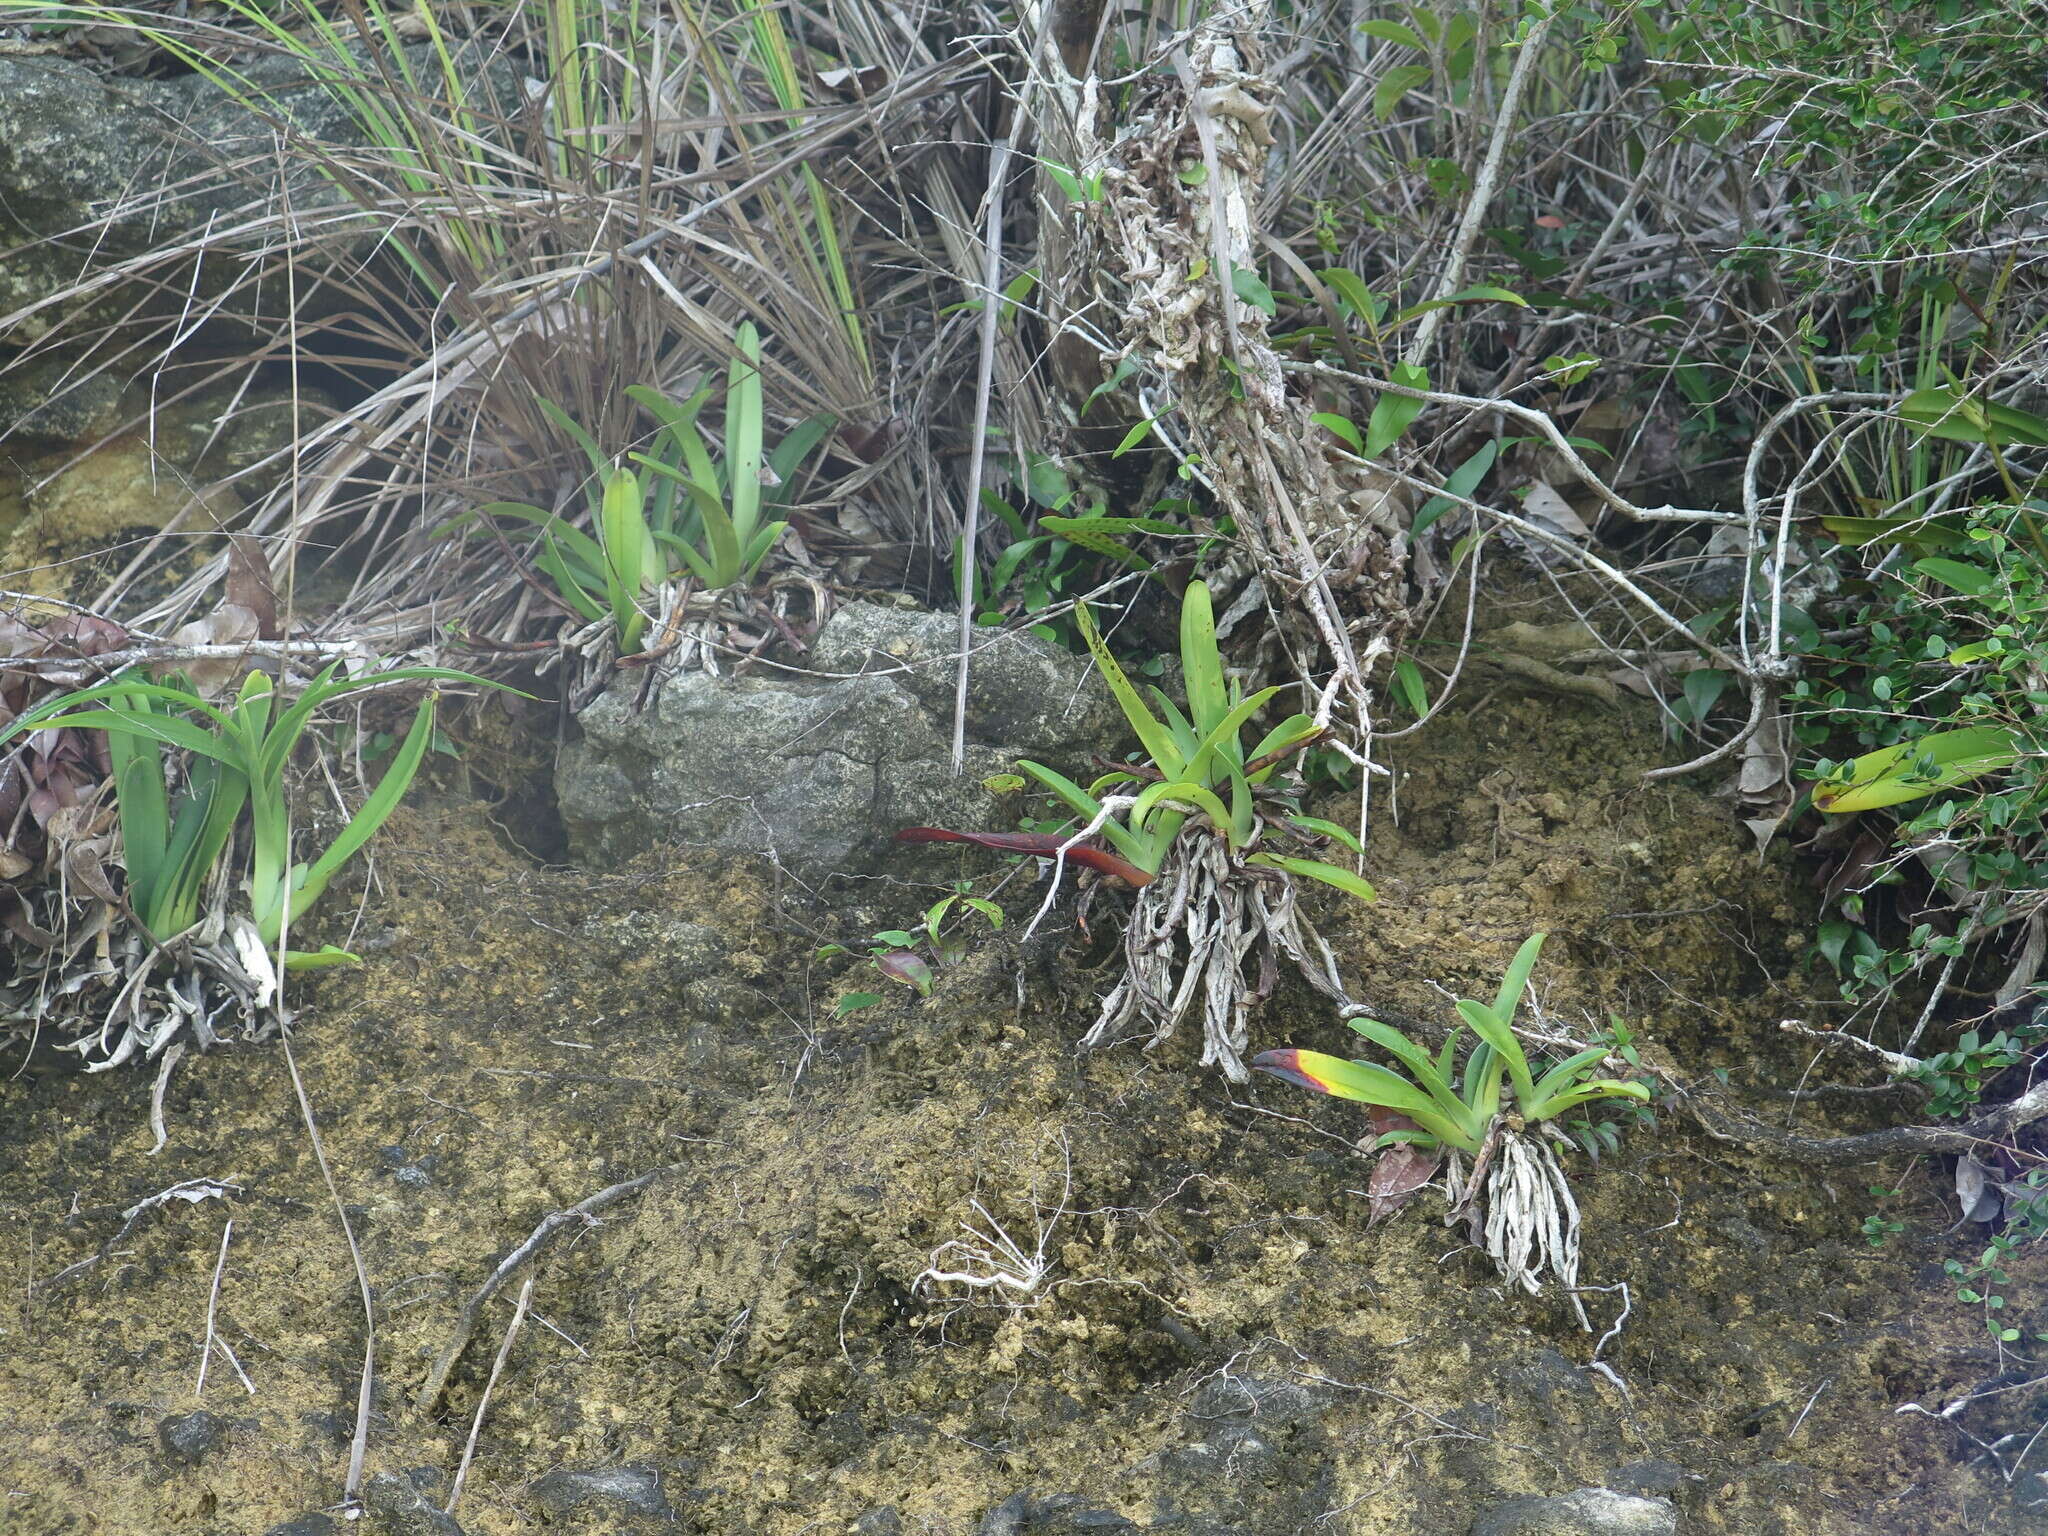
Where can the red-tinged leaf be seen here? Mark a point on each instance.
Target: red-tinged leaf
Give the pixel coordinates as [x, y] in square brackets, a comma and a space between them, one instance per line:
[1044, 845]
[912, 970]
[1286, 1065]
[1401, 1169]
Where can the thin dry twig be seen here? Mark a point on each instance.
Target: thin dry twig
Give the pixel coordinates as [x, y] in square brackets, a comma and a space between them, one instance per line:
[429, 1394]
[359, 1446]
[213, 1339]
[191, 1191]
[1994, 1128]
[483, 1403]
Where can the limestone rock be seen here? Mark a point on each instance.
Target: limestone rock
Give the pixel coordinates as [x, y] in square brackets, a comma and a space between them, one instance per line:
[1582, 1512]
[819, 772]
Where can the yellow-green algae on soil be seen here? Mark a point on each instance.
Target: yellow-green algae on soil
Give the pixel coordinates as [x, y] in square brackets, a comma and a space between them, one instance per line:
[1220, 1342]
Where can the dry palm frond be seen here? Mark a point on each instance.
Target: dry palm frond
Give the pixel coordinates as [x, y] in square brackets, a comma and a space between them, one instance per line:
[476, 247]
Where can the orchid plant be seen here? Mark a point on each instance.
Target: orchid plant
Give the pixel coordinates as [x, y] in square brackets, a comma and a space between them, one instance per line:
[1496, 1111]
[1192, 822]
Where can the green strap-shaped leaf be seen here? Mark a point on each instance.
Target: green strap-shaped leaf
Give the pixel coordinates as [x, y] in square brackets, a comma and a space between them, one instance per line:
[319, 959]
[1315, 869]
[1391, 413]
[787, 457]
[376, 810]
[1516, 981]
[1599, 1088]
[1912, 769]
[1490, 1027]
[1152, 735]
[1329, 829]
[752, 556]
[1187, 793]
[1559, 1078]
[1364, 1082]
[743, 433]
[144, 806]
[1202, 664]
[1222, 741]
[1416, 1060]
[576, 434]
[1082, 804]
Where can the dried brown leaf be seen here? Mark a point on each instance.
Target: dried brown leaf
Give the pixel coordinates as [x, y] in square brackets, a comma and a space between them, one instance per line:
[1401, 1170]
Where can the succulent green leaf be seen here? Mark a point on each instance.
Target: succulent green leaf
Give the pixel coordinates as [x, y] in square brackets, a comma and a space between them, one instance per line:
[1315, 869]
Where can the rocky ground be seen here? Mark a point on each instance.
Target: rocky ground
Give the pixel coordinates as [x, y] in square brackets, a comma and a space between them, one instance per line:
[1218, 1341]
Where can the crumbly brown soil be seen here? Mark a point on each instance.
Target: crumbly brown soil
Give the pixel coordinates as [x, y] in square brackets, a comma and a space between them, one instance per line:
[1221, 1342]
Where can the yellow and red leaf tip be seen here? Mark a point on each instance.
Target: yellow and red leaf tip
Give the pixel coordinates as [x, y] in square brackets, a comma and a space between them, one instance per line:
[1291, 1066]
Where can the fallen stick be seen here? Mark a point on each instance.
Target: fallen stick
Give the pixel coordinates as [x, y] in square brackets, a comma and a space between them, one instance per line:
[1995, 1127]
[483, 1404]
[465, 1325]
[189, 1190]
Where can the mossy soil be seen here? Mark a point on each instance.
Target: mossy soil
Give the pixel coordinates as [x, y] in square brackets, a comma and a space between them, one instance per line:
[1220, 1341]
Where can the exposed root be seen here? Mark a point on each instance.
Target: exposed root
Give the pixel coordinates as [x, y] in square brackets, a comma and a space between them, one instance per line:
[694, 630]
[1518, 1205]
[1193, 931]
[96, 982]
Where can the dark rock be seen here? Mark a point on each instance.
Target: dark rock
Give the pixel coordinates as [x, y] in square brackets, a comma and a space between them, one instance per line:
[1269, 1400]
[398, 1508]
[821, 772]
[635, 1489]
[1059, 1514]
[1653, 1478]
[59, 402]
[190, 1437]
[315, 1524]
[882, 1520]
[1071, 1520]
[1582, 1512]
[1007, 1518]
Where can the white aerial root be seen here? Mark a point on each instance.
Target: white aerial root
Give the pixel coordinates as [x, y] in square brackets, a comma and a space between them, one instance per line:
[1518, 1206]
[988, 1258]
[110, 995]
[1206, 915]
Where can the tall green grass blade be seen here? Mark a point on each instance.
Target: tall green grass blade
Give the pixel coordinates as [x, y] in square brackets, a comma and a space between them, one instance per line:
[1315, 869]
[743, 433]
[375, 811]
[145, 811]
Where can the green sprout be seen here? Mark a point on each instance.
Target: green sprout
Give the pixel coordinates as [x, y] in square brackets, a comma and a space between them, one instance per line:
[1191, 824]
[682, 510]
[1459, 1110]
[171, 845]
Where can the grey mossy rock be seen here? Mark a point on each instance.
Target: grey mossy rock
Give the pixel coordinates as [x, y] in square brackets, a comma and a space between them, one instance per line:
[819, 772]
[636, 1490]
[398, 1508]
[59, 402]
[74, 143]
[188, 1438]
[1582, 1512]
[315, 1524]
[1023, 693]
